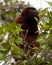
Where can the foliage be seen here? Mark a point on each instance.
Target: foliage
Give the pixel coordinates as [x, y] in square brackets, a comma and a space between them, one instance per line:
[9, 36]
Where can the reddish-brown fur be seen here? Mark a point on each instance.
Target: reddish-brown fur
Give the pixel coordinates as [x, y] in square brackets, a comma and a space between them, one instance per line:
[28, 21]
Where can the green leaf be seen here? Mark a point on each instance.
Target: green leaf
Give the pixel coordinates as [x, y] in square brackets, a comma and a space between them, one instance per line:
[45, 26]
[19, 29]
[24, 62]
[16, 51]
[19, 41]
[41, 37]
[5, 47]
[50, 3]
[50, 36]
[44, 46]
[2, 57]
[43, 12]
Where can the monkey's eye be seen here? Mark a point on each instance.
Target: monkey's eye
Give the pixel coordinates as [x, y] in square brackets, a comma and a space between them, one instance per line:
[36, 19]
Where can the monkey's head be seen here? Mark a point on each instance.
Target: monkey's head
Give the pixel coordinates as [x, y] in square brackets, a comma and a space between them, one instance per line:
[30, 14]
[29, 19]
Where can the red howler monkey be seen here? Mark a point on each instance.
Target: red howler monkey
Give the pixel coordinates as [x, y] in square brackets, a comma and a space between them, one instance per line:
[29, 19]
